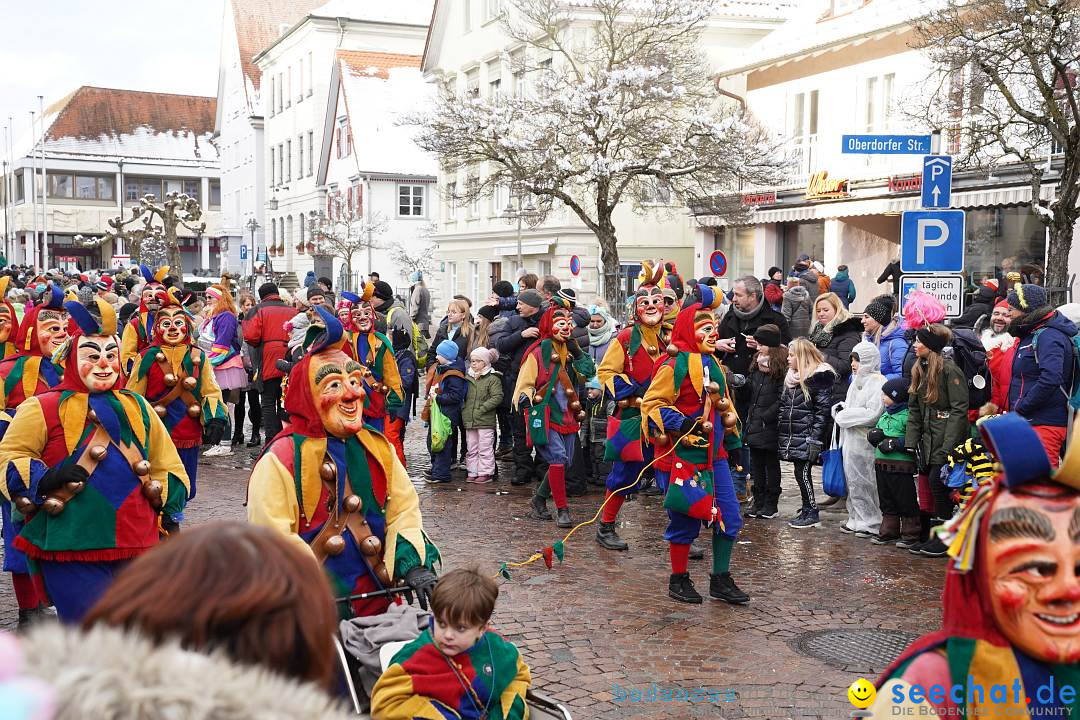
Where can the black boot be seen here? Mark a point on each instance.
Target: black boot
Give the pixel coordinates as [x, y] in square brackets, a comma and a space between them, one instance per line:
[608, 538]
[538, 509]
[36, 616]
[696, 553]
[681, 587]
[254, 441]
[723, 587]
[562, 518]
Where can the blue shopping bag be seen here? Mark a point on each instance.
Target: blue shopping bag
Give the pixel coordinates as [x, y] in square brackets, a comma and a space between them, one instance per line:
[832, 467]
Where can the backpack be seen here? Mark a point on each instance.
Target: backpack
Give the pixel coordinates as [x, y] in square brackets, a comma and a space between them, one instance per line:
[419, 344]
[1071, 390]
[970, 356]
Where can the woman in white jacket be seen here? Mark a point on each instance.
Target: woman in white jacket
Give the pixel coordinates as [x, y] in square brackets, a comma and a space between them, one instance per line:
[855, 416]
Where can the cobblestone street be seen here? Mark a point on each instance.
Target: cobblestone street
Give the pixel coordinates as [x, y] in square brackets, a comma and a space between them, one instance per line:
[600, 625]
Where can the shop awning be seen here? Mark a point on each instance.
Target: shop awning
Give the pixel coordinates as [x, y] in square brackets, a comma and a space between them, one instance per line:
[986, 197]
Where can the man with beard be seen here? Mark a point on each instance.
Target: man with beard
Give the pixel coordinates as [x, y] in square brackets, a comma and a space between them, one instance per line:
[77, 462]
[1043, 365]
[551, 370]
[999, 344]
[176, 377]
[138, 333]
[624, 374]
[336, 488]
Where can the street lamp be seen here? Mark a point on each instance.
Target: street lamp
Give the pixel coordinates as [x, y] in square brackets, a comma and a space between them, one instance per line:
[253, 225]
[528, 213]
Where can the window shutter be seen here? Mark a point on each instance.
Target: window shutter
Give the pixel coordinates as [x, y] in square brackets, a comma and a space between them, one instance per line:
[350, 196]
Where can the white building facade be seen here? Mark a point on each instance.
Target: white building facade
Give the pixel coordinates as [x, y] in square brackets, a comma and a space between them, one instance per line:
[104, 150]
[296, 70]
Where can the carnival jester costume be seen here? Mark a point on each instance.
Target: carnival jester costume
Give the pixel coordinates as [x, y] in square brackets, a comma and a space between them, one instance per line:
[139, 331]
[336, 487]
[77, 462]
[624, 374]
[1012, 593]
[375, 352]
[550, 371]
[487, 681]
[9, 321]
[692, 422]
[177, 378]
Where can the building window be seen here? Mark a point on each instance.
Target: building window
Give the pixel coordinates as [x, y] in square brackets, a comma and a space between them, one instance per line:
[300, 80]
[288, 86]
[299, 156]
[60, 186]
[301, 227]
[20, 188]
[136, 188]
[472, 83]
[215, 193]
[471, 186]
[271, 104]
[494, 80]
[655, 192]
[519, 84]
[310, 149]
[80, 187]
[410, 200]
[281, 163]
[273, 159]
[341, 138]
[310, 84]
[288, 230]
[804, 125]
[467, 10]
[870, 100]
[451, 271]
[279, 92]
[492, 9]
[451, 201]
[288, 160]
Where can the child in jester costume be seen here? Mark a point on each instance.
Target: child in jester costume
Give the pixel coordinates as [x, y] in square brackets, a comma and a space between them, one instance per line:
[550, 371]
[139, 332]
[376, 353]
[177, 378]
[692, 423]
[9, 321]
[337, 488]
[1012, 593]
[77, 462]
[624, 374]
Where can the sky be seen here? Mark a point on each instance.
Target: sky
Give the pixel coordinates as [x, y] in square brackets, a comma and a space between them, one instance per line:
[51, 47]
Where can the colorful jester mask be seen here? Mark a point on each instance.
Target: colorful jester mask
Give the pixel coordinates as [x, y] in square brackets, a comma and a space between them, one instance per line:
[171, 326]
[337, 386]
[98, 359]
[649, 297]
[705, 332]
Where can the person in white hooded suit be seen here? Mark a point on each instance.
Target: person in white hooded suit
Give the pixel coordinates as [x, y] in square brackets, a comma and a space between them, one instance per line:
[855, 416]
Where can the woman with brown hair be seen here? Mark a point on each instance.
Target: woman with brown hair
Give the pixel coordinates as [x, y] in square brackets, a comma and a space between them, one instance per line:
[220, 338]
[226, 620]
[937, 423]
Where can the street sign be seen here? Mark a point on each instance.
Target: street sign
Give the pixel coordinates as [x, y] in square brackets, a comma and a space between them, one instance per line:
[575, 265]
[937, 181]
[949, 289]
[885, 144]
[718, 263]
[932, 241]
[119, 262]
[243, 252]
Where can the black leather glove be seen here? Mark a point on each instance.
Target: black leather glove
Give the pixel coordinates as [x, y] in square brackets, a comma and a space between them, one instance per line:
[169, 525]
[687, 425]
[56, 477]
[736, 380]
[573, 348]
[422, 582]
[892, 445]
[875, 436]
[215, 429]
[813, 452]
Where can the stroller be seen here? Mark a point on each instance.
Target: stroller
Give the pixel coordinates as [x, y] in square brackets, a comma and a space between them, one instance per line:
[540, 706]
[593, 437]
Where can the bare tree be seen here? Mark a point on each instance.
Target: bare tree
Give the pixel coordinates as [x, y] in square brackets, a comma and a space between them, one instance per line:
[620, 104]
[418, 256]
[152, 239]
[1006, 93]
[344, 233]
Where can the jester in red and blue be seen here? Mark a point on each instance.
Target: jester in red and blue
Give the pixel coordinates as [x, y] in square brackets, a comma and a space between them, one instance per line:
[28, 373]
[139, 332]
[550, 371]
[1009, 643]
[692, 423]
[485, 682]
[77, 462]
[9, 321]
[336, 487]
[624, 374]
[375, 352]
[177, 377]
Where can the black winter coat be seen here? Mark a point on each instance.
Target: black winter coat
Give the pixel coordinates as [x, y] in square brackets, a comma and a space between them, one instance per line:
[732, 326]
[803, 421]
[514, 346]
[760, 429]
[837, 351]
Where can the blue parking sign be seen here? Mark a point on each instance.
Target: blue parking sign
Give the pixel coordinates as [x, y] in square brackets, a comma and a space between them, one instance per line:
[937, 181]
[243, 252]
[932, 241]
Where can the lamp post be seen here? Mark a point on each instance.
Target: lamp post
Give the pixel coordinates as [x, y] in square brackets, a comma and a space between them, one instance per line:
[528, 213]
[252, 225]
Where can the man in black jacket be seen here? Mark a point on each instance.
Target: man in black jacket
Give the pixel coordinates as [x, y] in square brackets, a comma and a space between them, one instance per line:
[523, 330]
[737, 348]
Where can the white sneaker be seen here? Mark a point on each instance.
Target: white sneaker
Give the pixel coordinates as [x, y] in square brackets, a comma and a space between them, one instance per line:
[218, 450]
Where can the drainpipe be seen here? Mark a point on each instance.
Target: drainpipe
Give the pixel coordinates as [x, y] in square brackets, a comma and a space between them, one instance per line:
[727, 93]
[341, 30]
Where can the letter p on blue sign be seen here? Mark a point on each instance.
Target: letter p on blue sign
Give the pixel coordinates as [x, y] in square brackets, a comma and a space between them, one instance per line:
[932, 241]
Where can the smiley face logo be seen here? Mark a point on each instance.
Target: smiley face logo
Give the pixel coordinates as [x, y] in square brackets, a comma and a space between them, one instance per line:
[862, 693]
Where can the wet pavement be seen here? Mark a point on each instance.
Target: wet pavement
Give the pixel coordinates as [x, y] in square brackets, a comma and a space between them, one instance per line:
[599, 631]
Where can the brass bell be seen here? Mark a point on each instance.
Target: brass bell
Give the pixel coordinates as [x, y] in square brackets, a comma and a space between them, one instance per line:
[713, 388]
[635, 402]
[328, 471]
[554, 357]
[25, 505]
[152, 490]
[75, 487]
[160, 410]
[371, 546]
[382, 574]
[160, 357]
[53, 506]
[575, 405]
[707, 426]
[652, 349]
[723, 405]
[581, 416]
[92, 414]
[729, 419]
[352, 503]
[190, 383]
[193, 410]
[623, 404]
[170, 379]
[196, 359]
[335, 545]
[672, 350]
[537, 399]
[142, 468]
[571, 393]
[662, 439]
[378, 387]
[97, 452]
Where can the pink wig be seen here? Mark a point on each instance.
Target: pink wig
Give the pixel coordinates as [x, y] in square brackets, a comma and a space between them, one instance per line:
[922, 309]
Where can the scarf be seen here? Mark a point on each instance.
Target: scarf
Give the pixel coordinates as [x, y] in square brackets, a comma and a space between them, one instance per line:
[477, 375]
[747, 315]
[791, 379]
[599, 336]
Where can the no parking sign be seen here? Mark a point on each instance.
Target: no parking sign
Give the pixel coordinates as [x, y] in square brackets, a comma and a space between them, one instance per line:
[575, 265]
[718, 263]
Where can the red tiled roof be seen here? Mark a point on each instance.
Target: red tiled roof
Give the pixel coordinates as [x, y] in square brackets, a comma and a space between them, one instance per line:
[91, 112]
[259, 24]
[360, 62]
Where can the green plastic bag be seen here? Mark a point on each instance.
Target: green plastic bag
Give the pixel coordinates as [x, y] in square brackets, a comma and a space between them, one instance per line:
[441, 428]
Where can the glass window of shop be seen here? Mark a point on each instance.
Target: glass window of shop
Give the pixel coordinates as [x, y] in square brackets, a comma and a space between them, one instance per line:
[1004, 239]
[799, 238]
[737, 243]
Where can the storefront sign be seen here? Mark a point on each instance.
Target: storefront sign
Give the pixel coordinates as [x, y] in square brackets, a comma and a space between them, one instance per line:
[949, 289]
[905, 183]
[119, 262]
[759, 198]
[822, 187]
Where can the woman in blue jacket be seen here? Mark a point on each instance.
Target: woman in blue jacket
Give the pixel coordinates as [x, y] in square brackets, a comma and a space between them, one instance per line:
[883, 330]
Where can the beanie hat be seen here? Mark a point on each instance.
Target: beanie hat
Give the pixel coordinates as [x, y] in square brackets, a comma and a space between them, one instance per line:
[880, 309]
[1027, 297]
[447, 349]
[772, 271]
[768, 335]
[488, 355]
[503, 288]
[931, 340]
[568, 295]
[531, 297]
[985, 293]
[490, 312]
[267, 289]
[1001, 303]
[384, 292]
[896, 389]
